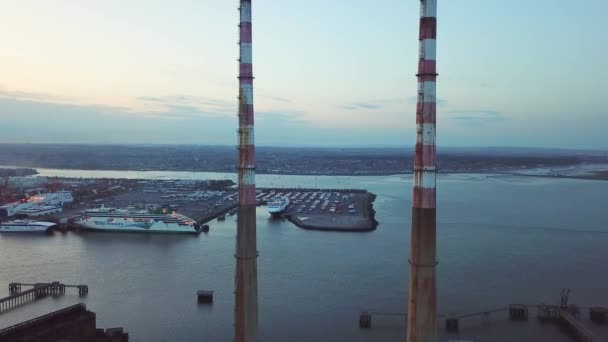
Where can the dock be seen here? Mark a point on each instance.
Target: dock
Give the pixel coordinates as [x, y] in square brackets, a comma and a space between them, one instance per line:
[37, 291]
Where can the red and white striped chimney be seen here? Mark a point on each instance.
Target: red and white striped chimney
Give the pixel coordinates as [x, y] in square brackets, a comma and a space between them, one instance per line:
[422, 306]
[246, 293]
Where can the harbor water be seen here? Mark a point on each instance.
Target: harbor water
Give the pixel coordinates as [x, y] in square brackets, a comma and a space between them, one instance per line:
[501, 239]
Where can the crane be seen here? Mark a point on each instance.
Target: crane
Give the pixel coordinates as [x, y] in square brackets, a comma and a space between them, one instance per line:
[3, 187]
[53, 185]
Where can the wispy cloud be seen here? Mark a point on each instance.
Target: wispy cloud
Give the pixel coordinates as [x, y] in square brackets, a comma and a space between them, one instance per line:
[54, 100]
[441, 102]
[178, 119]
[368, 105]
[476, 117]
[27, 121]
[185, 99]
[43, 97]
[274, 98]
[23, 95]
[187, 105]
[283, 116]
[362, 105]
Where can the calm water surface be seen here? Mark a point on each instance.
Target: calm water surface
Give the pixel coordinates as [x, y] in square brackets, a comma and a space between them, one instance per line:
[501, 240]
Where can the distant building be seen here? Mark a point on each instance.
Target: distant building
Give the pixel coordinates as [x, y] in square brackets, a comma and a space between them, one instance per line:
[72, 324]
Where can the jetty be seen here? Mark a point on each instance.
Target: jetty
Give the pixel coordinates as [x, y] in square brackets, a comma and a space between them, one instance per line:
[35, 292]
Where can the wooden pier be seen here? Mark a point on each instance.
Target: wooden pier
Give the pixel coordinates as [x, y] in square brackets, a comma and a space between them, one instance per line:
[37, 291]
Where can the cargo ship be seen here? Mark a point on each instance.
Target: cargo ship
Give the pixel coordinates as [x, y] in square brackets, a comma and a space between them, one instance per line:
[26, 226]
[140, 221]
[57, 199]
[277, 205]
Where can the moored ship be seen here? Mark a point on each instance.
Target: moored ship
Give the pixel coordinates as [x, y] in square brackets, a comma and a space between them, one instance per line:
[126, 220]
[38, 205]
[40, 210]
[26, 226]
[11, 209]
[277, 205]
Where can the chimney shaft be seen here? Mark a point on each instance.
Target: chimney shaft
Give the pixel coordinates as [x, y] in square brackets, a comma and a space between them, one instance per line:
[422, 307]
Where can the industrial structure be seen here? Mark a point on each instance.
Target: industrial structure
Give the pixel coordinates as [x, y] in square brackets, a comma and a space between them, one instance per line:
[422, 306]
[246, 277]
[74, 323]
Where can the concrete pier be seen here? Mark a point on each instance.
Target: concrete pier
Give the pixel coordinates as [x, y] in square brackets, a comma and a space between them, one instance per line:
[37, 291]
[582, 333]
[568, 317]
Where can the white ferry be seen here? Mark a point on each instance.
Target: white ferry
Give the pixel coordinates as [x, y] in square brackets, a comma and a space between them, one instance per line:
[26, 226]
[125, 220]
[11, 209]
[277, 205]
[40, 210]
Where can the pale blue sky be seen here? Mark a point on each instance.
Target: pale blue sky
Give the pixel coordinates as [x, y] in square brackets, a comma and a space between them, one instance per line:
[512, 73]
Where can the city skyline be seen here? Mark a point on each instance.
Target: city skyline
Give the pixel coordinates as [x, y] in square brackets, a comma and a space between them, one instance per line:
[326, 74]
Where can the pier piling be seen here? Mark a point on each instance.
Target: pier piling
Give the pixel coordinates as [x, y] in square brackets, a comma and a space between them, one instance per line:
[518, 312]
[451, 324]
[547, 312]
[83, 290]
[365, 320]
[14, 288]
[204, 296]
[598, 315]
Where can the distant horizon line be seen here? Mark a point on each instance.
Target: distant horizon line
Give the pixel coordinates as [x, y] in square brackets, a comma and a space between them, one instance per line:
[370, 146]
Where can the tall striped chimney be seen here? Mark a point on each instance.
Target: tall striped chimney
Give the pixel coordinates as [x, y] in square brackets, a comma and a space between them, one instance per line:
[422, 302]
[246, 276]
